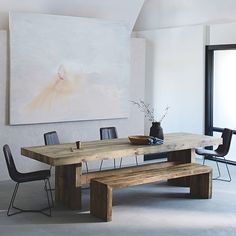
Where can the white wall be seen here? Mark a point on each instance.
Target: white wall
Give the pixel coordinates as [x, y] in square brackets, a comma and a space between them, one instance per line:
[175, 76]
[175, 55]
[17, 136]
[222, 33]
[29, 135]
[175, 52]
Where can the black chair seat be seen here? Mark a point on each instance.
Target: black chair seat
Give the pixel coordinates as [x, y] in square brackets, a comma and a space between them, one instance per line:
[33, 176]
[205, 152]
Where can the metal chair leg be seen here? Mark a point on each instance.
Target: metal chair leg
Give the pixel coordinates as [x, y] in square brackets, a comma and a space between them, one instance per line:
[86, 164]
[204, 159]
[219, 173]
[49, 205]
[11, 205]
[101, 165]
[120, 162]
[49, 189]
[218, 168]
[19, 210]
[136, 160]
[229, 180]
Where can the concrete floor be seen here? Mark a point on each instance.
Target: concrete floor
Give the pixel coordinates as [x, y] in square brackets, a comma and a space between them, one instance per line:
[154, 209]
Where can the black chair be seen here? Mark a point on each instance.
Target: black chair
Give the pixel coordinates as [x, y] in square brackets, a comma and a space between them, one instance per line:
[110, 133]
[23, 178]
[220, 152]
[51, 138]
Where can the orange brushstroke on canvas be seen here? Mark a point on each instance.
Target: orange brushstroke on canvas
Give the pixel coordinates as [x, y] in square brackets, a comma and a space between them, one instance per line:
[56, 92]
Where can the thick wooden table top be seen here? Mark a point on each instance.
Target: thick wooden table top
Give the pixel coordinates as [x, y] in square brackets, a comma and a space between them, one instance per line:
[62, 154]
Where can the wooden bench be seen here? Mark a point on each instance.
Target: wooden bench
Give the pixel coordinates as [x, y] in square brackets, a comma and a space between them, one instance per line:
[101, 188]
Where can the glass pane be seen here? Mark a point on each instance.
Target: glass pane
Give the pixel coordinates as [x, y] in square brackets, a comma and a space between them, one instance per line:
[224, 109]
[224, 95]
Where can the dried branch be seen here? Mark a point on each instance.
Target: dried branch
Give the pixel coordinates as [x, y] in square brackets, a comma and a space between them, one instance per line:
[149, 111]
[164, 115]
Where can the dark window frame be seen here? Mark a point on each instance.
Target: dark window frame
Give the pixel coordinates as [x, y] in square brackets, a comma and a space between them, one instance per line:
[209, 85]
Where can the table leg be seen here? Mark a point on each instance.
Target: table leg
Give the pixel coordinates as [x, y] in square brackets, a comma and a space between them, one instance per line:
[182, 156]
[67, 185]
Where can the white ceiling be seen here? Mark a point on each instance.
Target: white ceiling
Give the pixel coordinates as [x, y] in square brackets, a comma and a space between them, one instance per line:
[174, 13]
[144, 14]
[126, 11]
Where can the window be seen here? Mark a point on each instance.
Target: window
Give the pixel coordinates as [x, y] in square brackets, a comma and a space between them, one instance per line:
[220, 92]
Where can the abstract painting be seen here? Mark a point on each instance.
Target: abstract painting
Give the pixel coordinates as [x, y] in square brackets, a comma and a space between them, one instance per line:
[67, 68]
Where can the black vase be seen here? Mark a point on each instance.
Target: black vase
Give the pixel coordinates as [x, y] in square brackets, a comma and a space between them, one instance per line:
[156, 130]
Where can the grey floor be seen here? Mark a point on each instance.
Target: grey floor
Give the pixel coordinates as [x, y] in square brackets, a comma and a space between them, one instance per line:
[154, 209]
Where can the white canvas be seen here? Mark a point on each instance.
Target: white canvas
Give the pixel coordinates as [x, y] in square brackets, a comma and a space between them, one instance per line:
[67, 68]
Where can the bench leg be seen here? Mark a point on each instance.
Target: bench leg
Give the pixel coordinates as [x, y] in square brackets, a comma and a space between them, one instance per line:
[201, 186]
[100, 200]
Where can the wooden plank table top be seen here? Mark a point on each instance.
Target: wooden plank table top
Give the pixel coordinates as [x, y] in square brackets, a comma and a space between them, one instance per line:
[62, 154]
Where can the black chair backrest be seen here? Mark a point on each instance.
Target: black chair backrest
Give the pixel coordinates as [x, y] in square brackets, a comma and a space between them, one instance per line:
[223, 149]
[10, 163]
[108, 133]
[51, 138]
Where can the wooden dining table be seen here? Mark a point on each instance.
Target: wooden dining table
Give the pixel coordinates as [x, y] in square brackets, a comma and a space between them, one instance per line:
[179, 147]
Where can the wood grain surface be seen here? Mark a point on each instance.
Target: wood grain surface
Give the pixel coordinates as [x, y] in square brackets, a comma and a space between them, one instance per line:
[66, 154]
[101, 188]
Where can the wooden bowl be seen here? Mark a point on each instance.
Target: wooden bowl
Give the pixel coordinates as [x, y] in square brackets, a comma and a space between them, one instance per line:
[139, 139]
